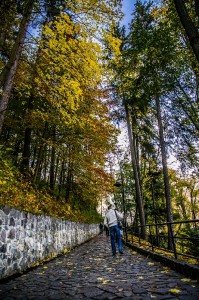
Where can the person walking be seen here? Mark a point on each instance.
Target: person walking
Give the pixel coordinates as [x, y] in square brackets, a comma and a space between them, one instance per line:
[107, 230]
[111, 220]
[101, 227]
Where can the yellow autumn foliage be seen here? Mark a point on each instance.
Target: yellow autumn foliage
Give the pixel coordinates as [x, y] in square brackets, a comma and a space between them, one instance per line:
[20, 194]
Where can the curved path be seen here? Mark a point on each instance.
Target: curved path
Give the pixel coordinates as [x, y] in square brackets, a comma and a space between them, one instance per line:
[91, 272]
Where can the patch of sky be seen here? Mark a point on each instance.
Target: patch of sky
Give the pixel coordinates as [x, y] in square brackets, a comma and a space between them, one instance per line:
[127, 8]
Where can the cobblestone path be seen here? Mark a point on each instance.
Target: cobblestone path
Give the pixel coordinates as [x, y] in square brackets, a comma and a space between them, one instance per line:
[91, 272]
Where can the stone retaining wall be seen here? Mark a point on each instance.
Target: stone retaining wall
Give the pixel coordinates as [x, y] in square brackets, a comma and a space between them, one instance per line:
[26, 238]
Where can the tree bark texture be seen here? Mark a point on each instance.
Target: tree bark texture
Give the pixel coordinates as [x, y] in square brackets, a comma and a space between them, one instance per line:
[25, 163]
[165, 170]
[191, 30]
[52, 163]
[40, 153]
[9, 71]
[137, 181]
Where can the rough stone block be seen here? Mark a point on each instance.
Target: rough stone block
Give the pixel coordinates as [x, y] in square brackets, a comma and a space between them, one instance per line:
[27, 238]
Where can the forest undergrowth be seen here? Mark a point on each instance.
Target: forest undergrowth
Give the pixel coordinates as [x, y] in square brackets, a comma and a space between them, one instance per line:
[22, 194]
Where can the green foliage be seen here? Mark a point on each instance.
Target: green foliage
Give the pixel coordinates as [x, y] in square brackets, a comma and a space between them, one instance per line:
[192, 244]
[57, 125]
[155, 62]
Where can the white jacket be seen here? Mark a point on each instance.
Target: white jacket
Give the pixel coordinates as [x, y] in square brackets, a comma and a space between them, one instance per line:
[111, 219]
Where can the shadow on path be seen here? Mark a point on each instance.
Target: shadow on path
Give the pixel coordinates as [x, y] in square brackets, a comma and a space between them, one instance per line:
[91, 272]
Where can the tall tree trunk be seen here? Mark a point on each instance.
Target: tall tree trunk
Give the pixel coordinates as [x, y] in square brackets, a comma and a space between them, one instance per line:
[190, 29]
[61, 178]
[136, 147]
[39, 153]
[69, 179]
[34, 156]
[165, 172]
[44, 166]
[137, 181]
[27, 142]
[9, 71]
[155, 213]
[26, 152]
[193, 204]
[182, 204]
[16, 151]
[56, 169]
[52, 164]
[28, 131]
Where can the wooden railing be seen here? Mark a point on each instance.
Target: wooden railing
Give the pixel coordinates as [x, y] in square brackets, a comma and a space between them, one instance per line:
[184, 237]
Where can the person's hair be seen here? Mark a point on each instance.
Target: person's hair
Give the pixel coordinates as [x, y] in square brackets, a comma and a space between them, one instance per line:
[110, 206]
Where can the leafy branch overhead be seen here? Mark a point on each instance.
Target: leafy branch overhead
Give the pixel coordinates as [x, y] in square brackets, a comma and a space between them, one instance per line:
[70, 77]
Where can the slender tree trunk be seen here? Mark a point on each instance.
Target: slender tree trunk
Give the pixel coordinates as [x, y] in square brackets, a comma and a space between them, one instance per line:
[26, 152]
[182, 204]
[52, 165]
[7, 134]
[25, 163]
[61, 178]
[68, 183]
[135, 142]
[131, 216]
[190, 29]
[16, 151]
[193, 204]
[9, 71]
[44, 166]
[137, 181]
[56, 169]
[34, 156]
[165, 172]
[39, 154]
[154, 209]
[135, 220]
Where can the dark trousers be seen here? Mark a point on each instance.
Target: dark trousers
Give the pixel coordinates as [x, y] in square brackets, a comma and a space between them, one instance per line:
[107, 231]
[115, 231]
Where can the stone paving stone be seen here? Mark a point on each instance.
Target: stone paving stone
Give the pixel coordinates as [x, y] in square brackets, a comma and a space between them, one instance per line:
[166, 297]
[188, 297]
[90, 272]
[139, 290]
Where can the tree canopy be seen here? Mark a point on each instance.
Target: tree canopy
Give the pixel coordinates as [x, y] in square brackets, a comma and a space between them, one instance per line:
[69, 75]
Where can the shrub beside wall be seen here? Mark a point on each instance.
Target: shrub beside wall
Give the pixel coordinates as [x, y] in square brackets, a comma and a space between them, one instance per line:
[26, 238]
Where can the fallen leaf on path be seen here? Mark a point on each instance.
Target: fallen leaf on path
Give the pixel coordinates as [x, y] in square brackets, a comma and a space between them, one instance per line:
[175, 291]
[123, 280]
[186, 279]
[105, 282]
[150, 264]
